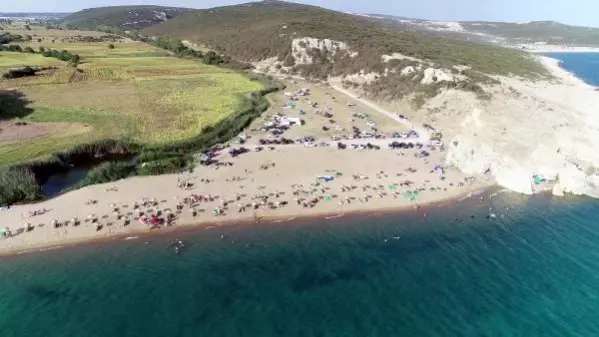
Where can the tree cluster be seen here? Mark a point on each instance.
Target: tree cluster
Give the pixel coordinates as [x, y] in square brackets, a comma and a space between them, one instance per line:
[11, 47]
[62, 55]
[8, 38]
[175, 46]
[18, 73]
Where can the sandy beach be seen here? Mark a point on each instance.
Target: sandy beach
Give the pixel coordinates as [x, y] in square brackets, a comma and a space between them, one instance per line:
[559, 49]
[277, 183]
[280, 184]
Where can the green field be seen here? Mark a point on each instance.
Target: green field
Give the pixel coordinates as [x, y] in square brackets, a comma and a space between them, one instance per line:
[10, 60]
[134, 91]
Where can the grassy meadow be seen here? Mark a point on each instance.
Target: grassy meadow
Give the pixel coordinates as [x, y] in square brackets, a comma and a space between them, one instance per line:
[132, 92]
[9, 60]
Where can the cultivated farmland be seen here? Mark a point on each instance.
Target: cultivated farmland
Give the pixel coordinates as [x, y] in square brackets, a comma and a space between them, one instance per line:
[133, 92]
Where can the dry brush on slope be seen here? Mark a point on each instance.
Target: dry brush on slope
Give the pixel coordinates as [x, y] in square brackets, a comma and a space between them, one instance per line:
[318, 43]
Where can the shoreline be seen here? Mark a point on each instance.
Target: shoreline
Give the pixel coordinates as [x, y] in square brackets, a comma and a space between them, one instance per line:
[193, 227]
[277, 184]
[568, 77]
[560, 49]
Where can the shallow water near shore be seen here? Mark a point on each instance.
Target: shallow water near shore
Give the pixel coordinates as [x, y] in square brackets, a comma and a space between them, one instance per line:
[531, 271]
[584, 65]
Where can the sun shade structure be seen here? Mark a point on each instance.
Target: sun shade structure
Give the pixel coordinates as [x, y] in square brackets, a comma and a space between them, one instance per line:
[411, 195]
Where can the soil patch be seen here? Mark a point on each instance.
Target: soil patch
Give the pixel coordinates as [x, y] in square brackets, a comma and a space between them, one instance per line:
[12, 131]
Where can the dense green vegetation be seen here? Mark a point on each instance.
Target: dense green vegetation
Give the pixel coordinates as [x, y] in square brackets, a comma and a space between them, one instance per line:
[256, 31]
[124, 17]
[8, 38]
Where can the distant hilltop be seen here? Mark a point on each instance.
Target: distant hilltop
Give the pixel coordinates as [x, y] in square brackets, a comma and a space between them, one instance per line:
[33, 16]
[509, 33]
[123, 17]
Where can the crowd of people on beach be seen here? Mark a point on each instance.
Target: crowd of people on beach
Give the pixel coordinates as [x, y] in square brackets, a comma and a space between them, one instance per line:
[191, 205]
[152, 214]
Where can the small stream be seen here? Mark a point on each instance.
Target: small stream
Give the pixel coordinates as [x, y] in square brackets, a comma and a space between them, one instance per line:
[59, 182]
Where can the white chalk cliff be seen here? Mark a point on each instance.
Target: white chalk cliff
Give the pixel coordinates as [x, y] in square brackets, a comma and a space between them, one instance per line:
[528, 128]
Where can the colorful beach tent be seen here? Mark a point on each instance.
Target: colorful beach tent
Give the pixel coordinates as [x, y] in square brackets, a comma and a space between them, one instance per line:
[538, 179]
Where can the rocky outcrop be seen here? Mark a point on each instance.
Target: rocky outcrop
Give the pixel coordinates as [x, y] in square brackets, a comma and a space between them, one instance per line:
[548, 129]
[432, 75]
[303, 48]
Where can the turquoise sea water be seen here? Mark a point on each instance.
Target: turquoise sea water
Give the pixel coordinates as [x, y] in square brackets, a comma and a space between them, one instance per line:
[584, 65]
[532, 271]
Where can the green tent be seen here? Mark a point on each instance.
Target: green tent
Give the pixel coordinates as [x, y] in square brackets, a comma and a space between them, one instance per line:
[411, 195]
[538, 180]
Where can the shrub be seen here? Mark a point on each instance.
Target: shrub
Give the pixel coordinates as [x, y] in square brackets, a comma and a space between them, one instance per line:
[111, 46]
[18, 73]
[105, 173]
[18, 185]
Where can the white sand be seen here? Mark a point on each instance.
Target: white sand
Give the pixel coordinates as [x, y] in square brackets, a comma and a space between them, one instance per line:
[293, 165]
[560, 49]
[546, 127]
